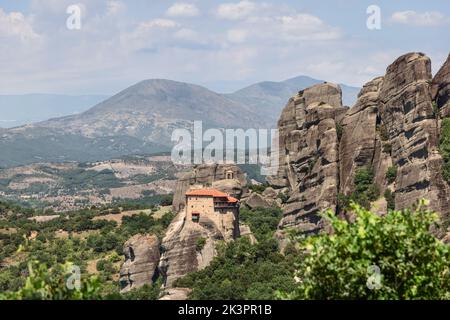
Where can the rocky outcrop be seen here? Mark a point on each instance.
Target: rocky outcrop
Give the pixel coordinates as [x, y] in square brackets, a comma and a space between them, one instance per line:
[181, 252]
[225, 177]
[440, 89]
[395, 122]
[359, 135]
[309, 151]
[256, 200]
[176, 294]
[189, 246]
[141, 262]
[407, 113]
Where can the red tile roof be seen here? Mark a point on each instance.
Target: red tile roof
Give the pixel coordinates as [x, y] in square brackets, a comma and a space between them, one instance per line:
[211, 193]
[231, 199]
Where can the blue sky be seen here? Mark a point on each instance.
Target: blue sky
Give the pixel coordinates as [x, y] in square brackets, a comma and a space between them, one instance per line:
[222, 45]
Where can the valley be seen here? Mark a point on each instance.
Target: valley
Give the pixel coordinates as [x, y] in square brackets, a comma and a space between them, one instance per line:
[72, 186]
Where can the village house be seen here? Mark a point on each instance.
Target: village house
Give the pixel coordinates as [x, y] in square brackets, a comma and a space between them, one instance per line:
[214, 208]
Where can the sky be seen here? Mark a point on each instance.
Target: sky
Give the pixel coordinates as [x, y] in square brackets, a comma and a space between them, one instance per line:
[223, 45]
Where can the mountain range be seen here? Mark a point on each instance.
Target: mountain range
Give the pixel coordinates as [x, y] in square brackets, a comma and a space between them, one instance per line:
[141, 118]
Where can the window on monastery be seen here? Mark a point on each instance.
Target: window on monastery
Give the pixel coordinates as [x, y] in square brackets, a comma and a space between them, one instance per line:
[196, 217]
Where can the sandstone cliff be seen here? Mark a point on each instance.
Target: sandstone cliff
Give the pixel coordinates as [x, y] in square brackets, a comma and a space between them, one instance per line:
[309, 154]
[395, 123]
[141, 264]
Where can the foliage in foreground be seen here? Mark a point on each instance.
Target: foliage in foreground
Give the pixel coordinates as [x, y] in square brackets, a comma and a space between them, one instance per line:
[87, 241]
[412, 263]
[42, 284]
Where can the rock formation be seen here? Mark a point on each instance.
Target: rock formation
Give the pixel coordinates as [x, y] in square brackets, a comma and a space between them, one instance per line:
[440, 89]
[141, 264]
[395, 122]
[210, 175]
[406, 111]
[309, 152]
[181, 252]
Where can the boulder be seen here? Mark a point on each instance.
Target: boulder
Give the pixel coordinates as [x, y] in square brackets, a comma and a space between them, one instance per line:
[255, 200]
[141, 262]
[270, 193]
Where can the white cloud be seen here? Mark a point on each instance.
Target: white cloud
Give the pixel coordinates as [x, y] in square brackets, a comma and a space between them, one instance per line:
[15, 24]
[180, 9]
[187, 35]
[237, 35]
[114, 7]
[284, 28]
[305, 27]
[236, 11]
[159, 23]
[420, 19]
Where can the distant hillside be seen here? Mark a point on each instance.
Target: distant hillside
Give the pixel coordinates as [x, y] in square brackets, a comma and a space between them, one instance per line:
[271, 97]
[17, 110]
[141, 119]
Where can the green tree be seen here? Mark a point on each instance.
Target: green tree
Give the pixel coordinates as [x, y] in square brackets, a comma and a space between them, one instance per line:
[263, 222]
[391, 174]
[413, 264]
[42, 284]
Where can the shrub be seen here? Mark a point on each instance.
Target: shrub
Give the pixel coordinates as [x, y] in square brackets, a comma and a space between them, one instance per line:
[42, 284]
[436, 111]
[390, 199]
[387, 148]
[167, 200]
[384, 135]
[200, 244]
[363, 178]
[339, 131]
[262, 222]
[242, 271]
[147, 292]
[412, 263]
[283, 196]
[365, 190]
[391, 174]
[258, 188]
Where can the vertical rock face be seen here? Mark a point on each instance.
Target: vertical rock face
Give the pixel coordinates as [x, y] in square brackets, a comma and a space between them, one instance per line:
[441, 89]
[179, 249]
[406, 111]
[359, 135]
[309, 155]
[142, 258]
[181, 253]
[393, 123]
[207, 175]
